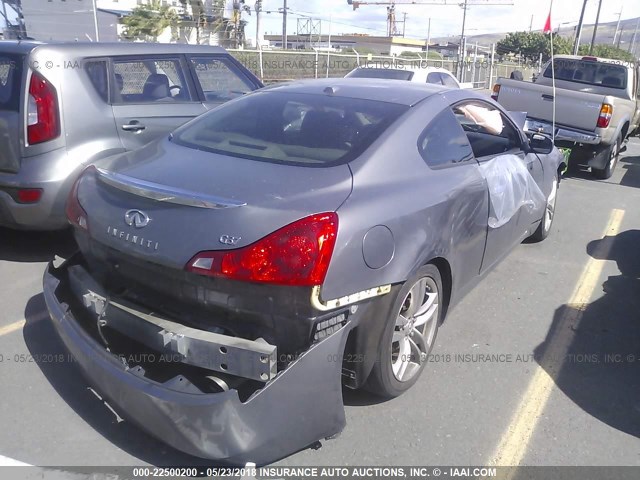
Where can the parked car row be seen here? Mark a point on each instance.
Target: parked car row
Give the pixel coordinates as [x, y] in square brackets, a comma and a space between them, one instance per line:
[288, 242]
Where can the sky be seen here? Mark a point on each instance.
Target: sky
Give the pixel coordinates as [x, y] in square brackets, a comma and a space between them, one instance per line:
[445, 20]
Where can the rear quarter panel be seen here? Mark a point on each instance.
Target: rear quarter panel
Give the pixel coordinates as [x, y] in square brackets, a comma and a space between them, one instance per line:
[431, 213]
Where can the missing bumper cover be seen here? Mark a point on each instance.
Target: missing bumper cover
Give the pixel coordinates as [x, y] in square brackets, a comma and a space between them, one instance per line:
[253, 359]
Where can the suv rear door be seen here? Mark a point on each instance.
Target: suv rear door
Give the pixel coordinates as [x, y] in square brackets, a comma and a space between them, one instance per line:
[11, 69]
[152, 95]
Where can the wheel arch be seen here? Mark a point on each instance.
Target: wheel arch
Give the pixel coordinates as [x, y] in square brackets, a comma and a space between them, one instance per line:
[625, 130]
[364, 339]
[446, 276]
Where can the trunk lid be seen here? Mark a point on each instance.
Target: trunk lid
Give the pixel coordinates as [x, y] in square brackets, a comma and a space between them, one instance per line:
[11, 80]
[573, 109]
[165, 202]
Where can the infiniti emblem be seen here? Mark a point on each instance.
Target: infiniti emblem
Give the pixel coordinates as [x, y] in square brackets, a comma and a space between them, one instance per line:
[136, 218]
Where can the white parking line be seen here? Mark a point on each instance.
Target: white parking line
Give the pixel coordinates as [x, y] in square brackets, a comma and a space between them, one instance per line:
[10, 462]
[516, 438]
[15, 326]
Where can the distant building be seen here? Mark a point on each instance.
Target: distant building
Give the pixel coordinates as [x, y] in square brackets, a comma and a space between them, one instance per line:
[70, 20]
[73, 20]
[369, 44]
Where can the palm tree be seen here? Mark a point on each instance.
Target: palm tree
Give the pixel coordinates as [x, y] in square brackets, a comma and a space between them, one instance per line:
[148, 21]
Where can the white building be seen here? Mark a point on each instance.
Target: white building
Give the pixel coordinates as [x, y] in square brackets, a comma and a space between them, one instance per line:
[73, 20]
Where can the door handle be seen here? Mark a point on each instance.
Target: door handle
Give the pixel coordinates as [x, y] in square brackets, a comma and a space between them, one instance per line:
[133, 127]
[547, 97]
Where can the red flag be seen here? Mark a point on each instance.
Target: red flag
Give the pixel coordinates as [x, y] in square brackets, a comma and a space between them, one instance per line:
[547, 25]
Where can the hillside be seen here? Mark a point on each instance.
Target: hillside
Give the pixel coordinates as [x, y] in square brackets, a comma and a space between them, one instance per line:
[604, 35]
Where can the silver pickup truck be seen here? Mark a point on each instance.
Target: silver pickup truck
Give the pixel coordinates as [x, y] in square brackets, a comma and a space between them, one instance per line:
[597, 106]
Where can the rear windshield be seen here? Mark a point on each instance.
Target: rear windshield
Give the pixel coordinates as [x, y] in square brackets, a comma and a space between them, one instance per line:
[387, 73]
[10, 74]
[589, 72]
[291, 128]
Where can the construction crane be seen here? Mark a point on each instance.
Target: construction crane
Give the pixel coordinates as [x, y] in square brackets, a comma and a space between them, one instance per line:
[465, 4]
[391, 8]
[356, 4]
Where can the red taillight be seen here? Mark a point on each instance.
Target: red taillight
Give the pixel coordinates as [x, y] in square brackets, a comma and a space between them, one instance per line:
[74, 211]
[42, 112]
[606, 112]
[298, 254]
[496, 92]
[29, 195]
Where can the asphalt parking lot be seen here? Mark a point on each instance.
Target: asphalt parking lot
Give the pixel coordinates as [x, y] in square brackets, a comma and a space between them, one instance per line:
[539, 365]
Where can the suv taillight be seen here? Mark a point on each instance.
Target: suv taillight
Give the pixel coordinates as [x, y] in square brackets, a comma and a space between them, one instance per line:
[297, 254]
[42, 111]
[606, 112]
[74, 211]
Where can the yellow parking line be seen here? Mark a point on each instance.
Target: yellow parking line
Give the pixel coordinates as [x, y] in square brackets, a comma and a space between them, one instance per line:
[12, 327]
[15, 326]
[515, 440]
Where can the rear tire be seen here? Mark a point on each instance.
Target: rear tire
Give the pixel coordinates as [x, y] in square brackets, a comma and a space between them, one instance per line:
[409, 335]
[612, 161]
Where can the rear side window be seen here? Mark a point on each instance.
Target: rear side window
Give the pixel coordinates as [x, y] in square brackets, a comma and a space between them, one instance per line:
[220, 79]
[10, 78]
[388, 73]
[488, 130]
[444, 143]
[435, 78]
[291, 128]
[449, 81]
[97, 71]
[150, 80]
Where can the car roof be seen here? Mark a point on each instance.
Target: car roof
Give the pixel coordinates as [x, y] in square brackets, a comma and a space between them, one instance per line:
[381, 90]
[107, 48]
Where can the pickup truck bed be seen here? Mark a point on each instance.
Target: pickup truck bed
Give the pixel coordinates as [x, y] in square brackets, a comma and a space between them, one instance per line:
[574, 109]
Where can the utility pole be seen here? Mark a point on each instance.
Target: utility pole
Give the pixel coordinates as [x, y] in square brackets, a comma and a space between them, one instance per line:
[576, 45]
[617, 27]
[284, 26]
[493, 60]
[258, 24]
[4, 12]
[462, 52]
[595, 28]
[620, 37]
[632, 43]
[95, 20]
[428, 39]
[531, 24]
[404, 23]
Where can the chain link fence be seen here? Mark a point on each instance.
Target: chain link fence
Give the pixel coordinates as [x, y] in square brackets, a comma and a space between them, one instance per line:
[274, 66]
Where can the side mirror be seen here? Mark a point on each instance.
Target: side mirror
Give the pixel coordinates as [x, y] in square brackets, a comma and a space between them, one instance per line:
[541, 144]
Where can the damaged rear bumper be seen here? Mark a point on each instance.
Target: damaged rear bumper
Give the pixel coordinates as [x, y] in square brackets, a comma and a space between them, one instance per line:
[300, 406]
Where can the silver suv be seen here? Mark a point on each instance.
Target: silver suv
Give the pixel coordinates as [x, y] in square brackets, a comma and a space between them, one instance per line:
[65, 105]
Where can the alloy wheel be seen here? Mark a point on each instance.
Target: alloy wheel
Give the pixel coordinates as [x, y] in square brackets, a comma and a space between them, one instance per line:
[415, 329]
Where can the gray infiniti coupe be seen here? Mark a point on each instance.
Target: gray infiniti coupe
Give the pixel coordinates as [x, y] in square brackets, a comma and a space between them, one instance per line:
[233, 276]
